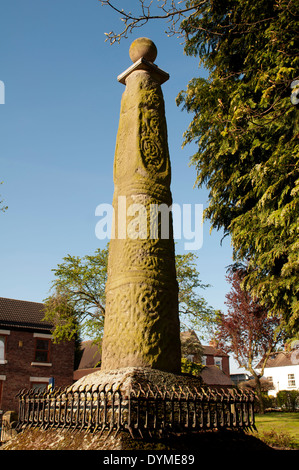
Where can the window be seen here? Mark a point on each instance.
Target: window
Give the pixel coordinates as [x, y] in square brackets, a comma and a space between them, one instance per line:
[39, 386]
[3, 339]
[2, 349]
[270, 380]
[218, 362]
[291, 381]
[42, 350]
[190, 357]
[204, 360]
[1, 388]
[39, 383]
[3, 345]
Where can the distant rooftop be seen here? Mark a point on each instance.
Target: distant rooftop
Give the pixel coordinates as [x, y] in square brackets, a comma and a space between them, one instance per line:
[283, 358]
[91, 355]
[212, 375]
[22, 314]
[209, 350]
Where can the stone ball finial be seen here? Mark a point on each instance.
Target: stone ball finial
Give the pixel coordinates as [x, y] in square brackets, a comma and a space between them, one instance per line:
[143, 47]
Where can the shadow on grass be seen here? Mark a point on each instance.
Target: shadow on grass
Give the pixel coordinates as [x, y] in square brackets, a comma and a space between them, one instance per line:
[200, 442]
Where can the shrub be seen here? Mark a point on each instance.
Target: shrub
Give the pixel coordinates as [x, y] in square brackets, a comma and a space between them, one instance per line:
[269, 401]
[277, 439]
[188, 367]
[288, 400]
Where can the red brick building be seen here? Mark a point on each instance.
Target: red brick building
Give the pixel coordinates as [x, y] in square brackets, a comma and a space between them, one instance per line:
[28, 356]
[216, 372]
[214, 357]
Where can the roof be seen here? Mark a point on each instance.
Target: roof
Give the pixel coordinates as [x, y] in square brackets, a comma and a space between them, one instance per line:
[189, 334]
[22, 314]
[209, 350]
[90, 356]
[79, 373]
[212, 375]
[283, 358]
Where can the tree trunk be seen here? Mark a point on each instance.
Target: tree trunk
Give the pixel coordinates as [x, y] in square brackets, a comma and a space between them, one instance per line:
[258, 389]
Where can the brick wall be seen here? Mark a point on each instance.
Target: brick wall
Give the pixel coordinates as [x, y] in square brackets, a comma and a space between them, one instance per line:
[210, 361]
[20, 366]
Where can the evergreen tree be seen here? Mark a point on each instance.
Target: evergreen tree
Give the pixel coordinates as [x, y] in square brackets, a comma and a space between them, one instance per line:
[246, 129]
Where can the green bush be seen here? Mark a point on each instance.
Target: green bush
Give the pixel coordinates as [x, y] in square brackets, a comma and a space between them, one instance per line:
[269, 401]
[188, 367]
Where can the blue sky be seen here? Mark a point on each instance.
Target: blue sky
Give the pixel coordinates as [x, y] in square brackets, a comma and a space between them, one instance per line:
[58, 131]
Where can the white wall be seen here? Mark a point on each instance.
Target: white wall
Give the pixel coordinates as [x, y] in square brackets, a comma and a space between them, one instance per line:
[281, 379]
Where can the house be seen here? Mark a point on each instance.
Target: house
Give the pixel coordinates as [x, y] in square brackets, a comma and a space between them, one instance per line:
[90, 359]
[194, 351]
[28, 356]
[282, 370]
[238, 378]
[215, 377]
[216, 371]
[214, 357]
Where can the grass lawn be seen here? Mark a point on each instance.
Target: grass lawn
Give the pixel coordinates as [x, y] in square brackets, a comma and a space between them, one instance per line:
[278, 429]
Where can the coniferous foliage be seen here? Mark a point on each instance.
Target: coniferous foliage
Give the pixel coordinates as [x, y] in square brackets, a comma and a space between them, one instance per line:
[246, 129]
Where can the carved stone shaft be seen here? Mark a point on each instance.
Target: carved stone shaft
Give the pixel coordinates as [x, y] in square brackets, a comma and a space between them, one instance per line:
[141, 321]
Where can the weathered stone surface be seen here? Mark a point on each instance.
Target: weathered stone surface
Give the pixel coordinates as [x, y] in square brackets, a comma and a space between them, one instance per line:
[130, 378]
[141, 320]
[143, 47]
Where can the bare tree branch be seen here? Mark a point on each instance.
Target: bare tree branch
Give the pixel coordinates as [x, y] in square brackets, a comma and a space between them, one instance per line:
[173, 11]
[170, 11]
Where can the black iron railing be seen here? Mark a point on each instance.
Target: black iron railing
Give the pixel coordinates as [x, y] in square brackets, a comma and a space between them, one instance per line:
[137, 411]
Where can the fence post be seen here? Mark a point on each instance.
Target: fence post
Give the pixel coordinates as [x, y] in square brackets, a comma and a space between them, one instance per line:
[136, 410]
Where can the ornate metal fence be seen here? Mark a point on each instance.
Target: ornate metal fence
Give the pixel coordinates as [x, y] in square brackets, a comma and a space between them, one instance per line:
[139, 412]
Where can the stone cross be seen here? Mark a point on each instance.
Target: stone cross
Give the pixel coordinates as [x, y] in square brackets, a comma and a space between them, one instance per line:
[141, 326]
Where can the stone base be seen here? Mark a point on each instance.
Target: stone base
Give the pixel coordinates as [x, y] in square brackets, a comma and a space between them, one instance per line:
[196, 444]
[126, 380]
[132, 377]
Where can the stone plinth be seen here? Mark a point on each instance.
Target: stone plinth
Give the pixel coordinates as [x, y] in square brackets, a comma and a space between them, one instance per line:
[131, 378]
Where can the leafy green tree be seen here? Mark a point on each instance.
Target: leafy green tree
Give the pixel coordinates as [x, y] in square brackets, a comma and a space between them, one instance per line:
[195, 313]
[191, 346]
[77, 304]
[246, 130]
[288, 400]
[191, 368]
